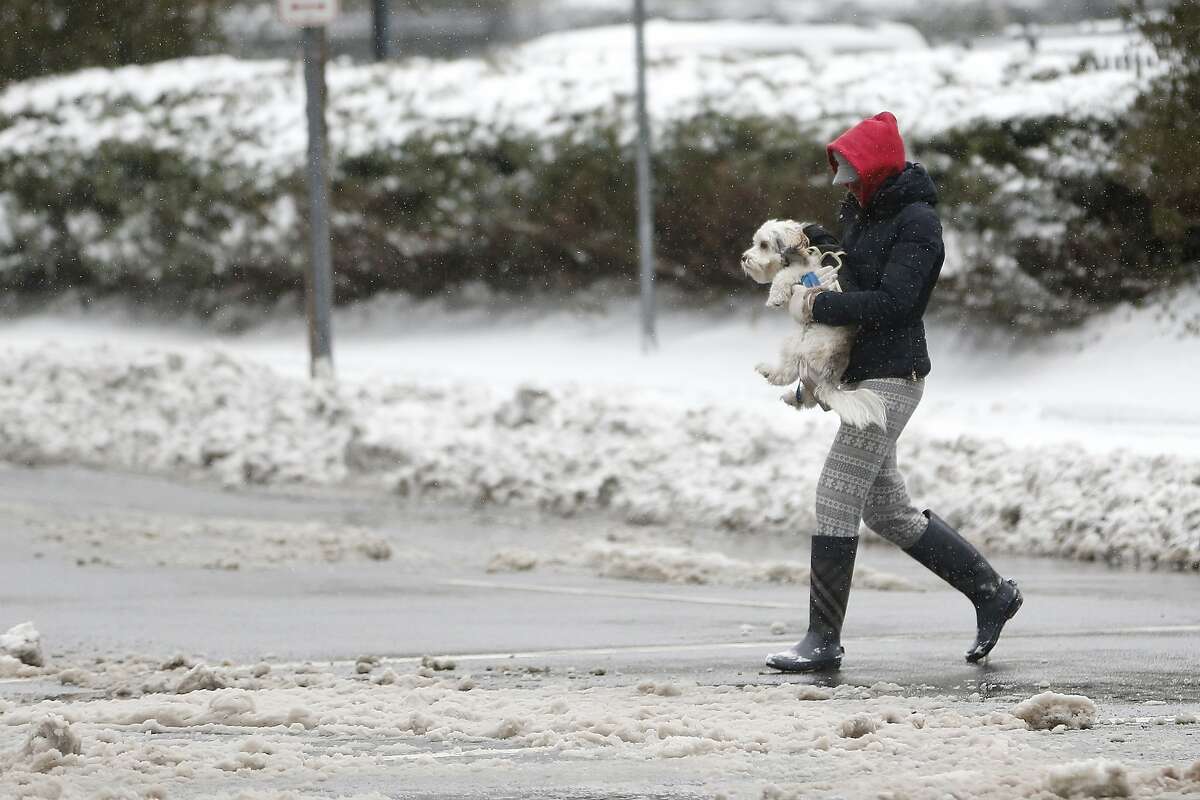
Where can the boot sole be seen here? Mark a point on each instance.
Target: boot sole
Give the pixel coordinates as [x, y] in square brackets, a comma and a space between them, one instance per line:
[1013, 607]
[807, 666]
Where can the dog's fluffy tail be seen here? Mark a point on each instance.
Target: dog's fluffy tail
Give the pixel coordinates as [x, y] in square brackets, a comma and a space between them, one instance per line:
[858, 407]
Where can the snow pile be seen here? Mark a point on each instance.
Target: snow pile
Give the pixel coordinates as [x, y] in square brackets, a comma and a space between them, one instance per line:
[23, 643]
[251, 112]
[857, 726]
[645, 457]
[1049, 710]
[226, 707]
[164, 412]
[1098, 778]
[517, 560]
[12, 668]
[50, 743]
[201, 678]
[677, 564]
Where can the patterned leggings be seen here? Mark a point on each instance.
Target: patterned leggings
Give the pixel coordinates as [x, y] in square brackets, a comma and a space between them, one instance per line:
[860, 481]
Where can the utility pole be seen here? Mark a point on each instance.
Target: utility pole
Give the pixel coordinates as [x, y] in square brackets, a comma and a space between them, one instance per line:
[311, 16]
[381, 28]
[645, 189]
[319, 288]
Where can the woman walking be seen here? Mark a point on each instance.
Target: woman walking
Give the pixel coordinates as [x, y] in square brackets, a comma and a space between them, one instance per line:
[892, 238]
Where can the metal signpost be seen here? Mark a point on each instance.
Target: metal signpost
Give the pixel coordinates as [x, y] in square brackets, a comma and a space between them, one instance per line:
[381, 28]
[312, 16]
[645, 193]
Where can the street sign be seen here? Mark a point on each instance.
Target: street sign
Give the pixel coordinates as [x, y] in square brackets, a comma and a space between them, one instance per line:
[308, 13]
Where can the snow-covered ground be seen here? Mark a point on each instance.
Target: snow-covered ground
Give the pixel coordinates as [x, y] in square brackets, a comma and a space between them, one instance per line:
[1118, 382]
[1084, 445]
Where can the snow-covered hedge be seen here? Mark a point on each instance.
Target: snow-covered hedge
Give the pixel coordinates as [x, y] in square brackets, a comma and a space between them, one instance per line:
[185, 178]
[567, 451]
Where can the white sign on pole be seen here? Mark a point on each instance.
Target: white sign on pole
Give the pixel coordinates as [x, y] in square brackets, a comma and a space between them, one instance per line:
[308, 13]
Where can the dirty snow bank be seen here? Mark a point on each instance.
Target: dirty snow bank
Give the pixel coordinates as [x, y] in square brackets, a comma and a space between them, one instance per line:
[22, 644]
[293, 725]
[645, 456]
[677, 564]
[210, 543]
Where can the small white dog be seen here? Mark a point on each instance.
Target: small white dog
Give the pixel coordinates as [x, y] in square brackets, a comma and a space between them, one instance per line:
[815, 354]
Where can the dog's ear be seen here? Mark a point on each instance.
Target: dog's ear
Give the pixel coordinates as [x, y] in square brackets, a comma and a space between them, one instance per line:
[802, 240]
[794, 233]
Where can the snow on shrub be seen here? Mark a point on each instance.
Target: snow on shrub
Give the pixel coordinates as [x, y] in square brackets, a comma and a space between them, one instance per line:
[185, 178]
[568, 450]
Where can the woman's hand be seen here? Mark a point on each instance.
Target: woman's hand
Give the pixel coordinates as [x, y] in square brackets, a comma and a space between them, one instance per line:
[800, 306]
[801, 303]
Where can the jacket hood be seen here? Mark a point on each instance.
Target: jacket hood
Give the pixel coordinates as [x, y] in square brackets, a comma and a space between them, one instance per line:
[875, 150]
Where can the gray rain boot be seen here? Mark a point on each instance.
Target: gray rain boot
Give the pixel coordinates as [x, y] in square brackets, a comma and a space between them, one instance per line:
[829, 588]
[956, 561]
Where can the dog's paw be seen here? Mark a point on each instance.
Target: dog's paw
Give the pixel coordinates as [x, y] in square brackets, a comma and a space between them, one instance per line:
[778, 298]
[789, 397]
[800, 306]
[764, 370]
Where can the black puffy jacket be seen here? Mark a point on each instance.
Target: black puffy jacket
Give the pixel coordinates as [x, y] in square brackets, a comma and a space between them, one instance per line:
[894, 254]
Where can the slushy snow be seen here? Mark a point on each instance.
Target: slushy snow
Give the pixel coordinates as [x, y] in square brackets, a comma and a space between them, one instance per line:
[1098, 778]
[49, 744]
[291, 726]
[213, 542]
[659, 563]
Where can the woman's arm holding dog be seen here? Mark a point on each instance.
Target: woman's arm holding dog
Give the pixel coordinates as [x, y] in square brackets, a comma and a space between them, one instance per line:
[800, 303]
[908, 270]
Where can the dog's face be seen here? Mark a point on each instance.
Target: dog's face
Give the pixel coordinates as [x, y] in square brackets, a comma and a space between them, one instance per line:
[765, 257]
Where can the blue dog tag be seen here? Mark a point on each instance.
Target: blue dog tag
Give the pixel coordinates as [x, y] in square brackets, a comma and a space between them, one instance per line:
[810, 280]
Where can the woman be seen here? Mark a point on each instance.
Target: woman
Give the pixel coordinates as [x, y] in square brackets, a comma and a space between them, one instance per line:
[894, 253]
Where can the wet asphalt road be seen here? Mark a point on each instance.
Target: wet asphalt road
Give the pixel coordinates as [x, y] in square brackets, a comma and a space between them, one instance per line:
[1117, 635]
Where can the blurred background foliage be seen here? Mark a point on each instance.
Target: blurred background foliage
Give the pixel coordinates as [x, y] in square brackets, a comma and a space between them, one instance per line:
[39, 37]
[556, 215]
[1160, 151]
